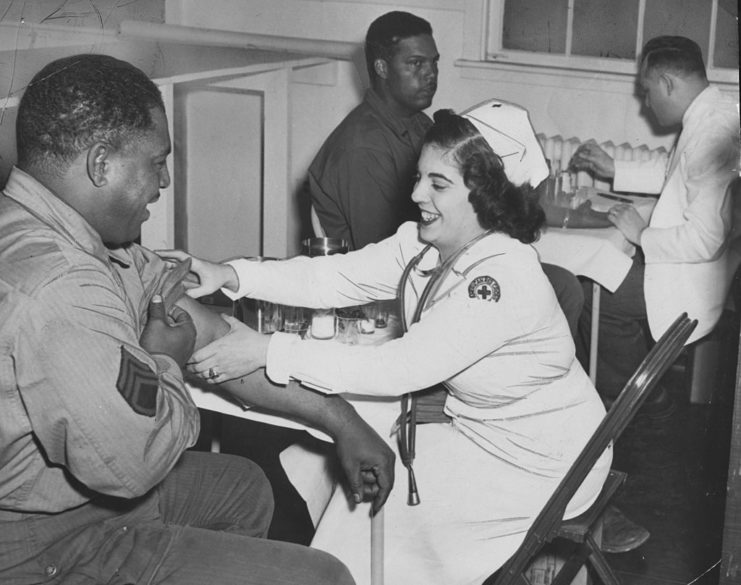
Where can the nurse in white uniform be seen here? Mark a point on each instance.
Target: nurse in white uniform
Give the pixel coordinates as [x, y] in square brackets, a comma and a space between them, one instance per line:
[482, 318]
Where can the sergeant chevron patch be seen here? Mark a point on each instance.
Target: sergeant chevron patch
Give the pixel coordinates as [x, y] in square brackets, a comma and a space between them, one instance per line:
[484, 288]
[138, 384]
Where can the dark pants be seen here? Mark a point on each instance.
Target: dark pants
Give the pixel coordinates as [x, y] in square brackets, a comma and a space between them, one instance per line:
[623, 340]
[205, 523]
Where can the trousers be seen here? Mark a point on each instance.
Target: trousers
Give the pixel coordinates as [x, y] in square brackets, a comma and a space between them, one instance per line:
[623, 337]
[205, 523]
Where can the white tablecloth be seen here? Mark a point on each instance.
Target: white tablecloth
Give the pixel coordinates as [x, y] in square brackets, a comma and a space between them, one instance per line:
[602, 254]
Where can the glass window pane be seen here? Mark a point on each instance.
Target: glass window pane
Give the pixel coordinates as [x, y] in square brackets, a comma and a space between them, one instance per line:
[605, 28]
[726, 35]
[535, 25]
[687, 18]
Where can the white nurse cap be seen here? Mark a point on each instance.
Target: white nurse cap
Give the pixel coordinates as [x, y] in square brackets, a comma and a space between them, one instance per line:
[507, 129]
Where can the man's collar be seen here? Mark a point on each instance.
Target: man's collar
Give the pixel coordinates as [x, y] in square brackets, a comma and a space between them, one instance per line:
[706, 95]
[51, 210]
[401, 125]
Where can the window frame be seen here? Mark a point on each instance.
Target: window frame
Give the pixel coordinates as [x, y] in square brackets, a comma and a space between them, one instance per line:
[483, 24]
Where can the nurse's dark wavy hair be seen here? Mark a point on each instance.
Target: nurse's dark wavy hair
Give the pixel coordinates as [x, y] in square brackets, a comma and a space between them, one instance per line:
[76, 101]
[499, 205]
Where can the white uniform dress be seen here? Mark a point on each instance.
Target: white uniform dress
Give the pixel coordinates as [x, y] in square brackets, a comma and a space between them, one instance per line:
[521, 405]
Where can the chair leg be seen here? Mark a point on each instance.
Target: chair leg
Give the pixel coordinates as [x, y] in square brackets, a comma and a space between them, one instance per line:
[599, 563]
[571, 567]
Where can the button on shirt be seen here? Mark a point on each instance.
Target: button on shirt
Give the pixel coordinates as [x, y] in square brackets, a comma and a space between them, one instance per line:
[69, 308]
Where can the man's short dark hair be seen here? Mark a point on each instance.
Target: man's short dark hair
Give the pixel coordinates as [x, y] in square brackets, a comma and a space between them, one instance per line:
[79, 100]
[386, 31]
[678, 55]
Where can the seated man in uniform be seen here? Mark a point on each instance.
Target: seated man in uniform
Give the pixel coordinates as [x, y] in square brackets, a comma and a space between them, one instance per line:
[95, 417]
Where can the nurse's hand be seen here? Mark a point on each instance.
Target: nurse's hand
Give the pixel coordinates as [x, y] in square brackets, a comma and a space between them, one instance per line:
[368, 462]
[211, 276]
[236, 354]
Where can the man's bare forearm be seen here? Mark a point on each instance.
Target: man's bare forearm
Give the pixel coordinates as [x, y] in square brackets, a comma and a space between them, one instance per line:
[366, 459]
[328, 413]
[324, 412]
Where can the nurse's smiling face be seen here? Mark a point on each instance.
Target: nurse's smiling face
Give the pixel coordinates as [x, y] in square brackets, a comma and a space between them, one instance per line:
[448, 218]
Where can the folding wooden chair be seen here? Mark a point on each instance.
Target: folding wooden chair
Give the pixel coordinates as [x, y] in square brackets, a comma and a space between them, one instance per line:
[550, 525]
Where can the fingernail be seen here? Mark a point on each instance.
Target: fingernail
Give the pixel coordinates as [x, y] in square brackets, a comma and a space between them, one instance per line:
[357, 498]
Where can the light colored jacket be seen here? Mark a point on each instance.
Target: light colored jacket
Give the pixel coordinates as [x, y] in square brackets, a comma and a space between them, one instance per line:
[686, 246]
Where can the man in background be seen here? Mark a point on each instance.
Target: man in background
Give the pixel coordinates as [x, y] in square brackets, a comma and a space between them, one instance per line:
[361, 180]
[96, 485]
[682, 262]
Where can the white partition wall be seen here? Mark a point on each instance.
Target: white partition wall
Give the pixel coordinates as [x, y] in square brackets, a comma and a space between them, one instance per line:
[218, 153]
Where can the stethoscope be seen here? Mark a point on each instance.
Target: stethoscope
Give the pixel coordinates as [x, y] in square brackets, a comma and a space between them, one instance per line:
[408, 418]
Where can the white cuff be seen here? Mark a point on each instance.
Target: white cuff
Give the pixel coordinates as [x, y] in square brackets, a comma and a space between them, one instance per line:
[280, 349]
[241, 266]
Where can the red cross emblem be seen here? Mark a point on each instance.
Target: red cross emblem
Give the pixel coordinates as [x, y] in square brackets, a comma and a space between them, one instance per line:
[484, 288]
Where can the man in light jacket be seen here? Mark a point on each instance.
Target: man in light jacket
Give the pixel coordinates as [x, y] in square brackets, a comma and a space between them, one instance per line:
[683, 261]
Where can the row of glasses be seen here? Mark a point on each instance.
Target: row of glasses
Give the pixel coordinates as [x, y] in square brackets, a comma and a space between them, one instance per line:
[344, 325]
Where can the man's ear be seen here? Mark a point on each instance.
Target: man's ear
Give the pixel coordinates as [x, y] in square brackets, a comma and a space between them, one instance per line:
[380, 67]
[668, 81]
[98, 164]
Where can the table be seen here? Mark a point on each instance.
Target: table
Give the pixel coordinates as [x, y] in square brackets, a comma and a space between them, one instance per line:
[601, 254]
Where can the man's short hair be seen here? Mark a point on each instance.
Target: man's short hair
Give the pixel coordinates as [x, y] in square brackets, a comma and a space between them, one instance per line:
[678, 55]
[76, 101]
[386, 31]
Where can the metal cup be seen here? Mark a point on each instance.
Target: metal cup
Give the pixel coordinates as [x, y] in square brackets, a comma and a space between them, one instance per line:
[323, 246]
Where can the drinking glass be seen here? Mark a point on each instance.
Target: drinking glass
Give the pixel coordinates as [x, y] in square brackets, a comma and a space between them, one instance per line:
[348, 330]
[322, 324]
[295, 320]
[269, 317]
[381, 313]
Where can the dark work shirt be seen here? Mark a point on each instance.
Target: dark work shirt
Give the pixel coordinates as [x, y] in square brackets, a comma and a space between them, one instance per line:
[361, 180]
